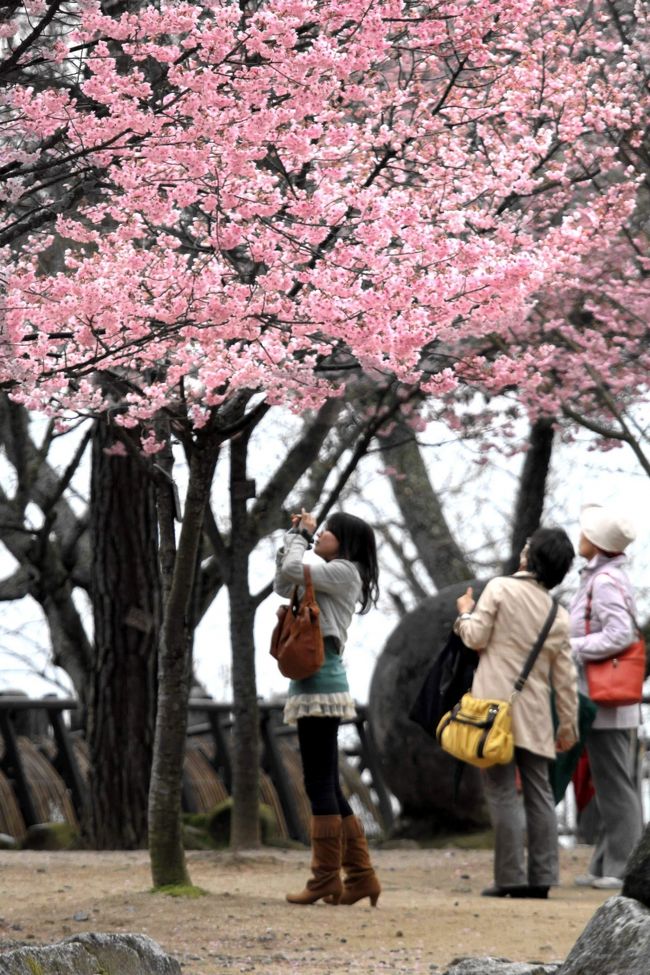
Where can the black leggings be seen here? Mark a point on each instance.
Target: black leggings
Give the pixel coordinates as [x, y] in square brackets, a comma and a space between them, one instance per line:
[319, 752]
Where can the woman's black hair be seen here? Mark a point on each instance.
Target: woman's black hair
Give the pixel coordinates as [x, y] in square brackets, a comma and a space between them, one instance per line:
[357, 544]
[549, 555]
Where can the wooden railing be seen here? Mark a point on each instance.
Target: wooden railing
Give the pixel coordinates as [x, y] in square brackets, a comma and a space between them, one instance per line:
[63, 760]
[217, 725]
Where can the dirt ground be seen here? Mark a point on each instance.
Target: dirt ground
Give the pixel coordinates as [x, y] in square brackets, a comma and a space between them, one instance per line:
[430, 911]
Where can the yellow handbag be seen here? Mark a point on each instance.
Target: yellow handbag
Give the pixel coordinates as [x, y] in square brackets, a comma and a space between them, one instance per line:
[479, 731]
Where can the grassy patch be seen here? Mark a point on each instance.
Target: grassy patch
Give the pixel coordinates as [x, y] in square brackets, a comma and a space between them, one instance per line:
[180, 890]
[445, 840]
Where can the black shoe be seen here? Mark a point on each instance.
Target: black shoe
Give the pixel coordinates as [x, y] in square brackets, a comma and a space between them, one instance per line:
[540, 893]
[503, 891]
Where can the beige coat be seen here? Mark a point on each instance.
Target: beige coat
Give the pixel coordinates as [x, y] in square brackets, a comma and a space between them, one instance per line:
[503, 627]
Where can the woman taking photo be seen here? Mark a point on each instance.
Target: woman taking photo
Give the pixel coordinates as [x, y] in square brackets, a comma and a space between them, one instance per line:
[347, 575]
[502, 627]
[603, 622]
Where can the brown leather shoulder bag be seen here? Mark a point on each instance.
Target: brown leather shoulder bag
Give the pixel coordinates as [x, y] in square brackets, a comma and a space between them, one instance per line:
[297, 641]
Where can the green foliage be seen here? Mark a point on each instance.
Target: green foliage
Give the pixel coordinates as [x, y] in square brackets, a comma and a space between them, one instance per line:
[211, 830]
[475, 840]
[218, 824]
[197, 834]
[268, 824]
[195, 838]
[197, 820]
[51, 836]
[480, 840]
[34, 966]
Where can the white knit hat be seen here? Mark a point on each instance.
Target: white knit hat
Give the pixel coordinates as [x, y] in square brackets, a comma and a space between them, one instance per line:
[607, 530]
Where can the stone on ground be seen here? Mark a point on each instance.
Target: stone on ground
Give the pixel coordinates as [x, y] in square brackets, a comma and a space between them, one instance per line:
[500, 966]
[88, 954]
[615, 942]
[637, 872]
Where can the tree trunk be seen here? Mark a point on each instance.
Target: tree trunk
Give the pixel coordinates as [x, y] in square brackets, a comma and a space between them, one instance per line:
[126, 599]
[71, 647]
[421, 510]
[532, 489]
[175, 664]
[245, 831]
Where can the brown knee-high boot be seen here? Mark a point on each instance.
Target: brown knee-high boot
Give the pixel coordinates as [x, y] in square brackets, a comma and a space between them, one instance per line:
[325, 862]
[360, 878]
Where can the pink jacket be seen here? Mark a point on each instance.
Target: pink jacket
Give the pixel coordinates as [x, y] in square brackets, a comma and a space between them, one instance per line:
[611, 627]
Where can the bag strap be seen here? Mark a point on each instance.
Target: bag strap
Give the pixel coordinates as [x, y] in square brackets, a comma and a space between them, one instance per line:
[309, 585]
[537, 646]
[308, 594]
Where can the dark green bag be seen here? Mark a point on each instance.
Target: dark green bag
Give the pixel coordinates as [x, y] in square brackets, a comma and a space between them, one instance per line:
[562, 769]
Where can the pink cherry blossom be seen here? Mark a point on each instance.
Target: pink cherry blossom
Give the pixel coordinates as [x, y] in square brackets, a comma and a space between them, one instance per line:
[423, 191]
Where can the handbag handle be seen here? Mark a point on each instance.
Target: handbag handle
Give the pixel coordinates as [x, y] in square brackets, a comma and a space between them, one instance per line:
[309, 585]
[308, 594]
[537, 646]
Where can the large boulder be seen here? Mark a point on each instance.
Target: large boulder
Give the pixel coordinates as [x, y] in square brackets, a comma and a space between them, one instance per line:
[88, 954]
[615, 942]
[416, 769]
[637, 872]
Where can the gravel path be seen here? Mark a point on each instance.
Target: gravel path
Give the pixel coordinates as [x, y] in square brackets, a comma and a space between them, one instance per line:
[430, 911]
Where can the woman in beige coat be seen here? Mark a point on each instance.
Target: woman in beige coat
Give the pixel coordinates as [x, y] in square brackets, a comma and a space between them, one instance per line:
[503, 627]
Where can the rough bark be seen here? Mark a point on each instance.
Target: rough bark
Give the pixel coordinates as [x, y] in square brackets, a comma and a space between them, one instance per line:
[531, 490]
[126, 598]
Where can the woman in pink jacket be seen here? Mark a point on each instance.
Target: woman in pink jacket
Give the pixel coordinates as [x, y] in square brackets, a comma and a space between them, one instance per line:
[606, 598]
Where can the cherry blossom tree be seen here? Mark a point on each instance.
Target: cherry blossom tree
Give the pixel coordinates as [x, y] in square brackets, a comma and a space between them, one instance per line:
[293, 181]
[260, 198]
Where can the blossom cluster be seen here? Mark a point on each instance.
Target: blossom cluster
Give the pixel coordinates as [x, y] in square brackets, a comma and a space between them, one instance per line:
[259, 193]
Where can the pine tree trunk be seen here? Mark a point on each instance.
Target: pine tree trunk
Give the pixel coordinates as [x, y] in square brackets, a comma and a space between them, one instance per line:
[126, 599]
[166, 852]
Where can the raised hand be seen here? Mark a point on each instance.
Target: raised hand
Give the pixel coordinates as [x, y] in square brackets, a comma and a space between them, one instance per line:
[466, 602]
